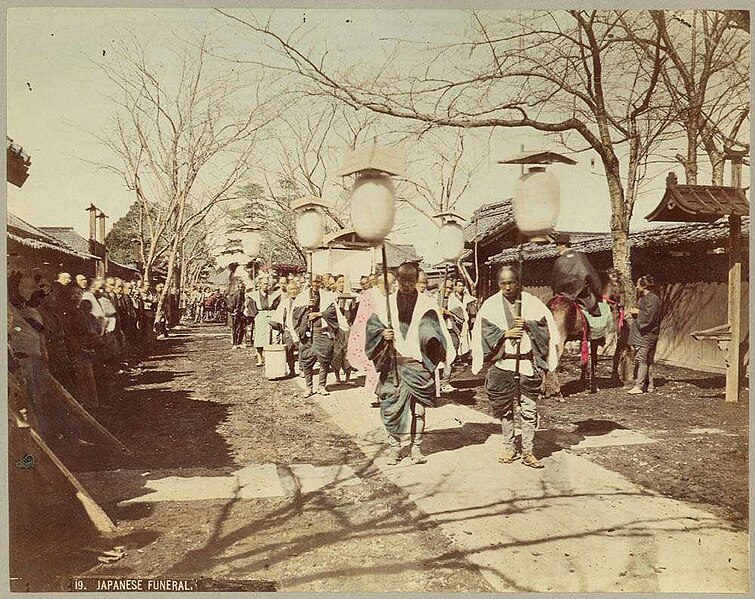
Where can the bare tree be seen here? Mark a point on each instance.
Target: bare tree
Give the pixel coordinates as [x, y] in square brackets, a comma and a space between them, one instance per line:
[705, 81]
[566, 73]
[180, 140]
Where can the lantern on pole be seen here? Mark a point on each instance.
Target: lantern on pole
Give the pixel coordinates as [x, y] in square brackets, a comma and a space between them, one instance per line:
[310, 226]
[537, 197]
[451, 243]
[536, 204]
[451, 236]
[310, 222]
[373, 197]
[250, 239]
[225, 259]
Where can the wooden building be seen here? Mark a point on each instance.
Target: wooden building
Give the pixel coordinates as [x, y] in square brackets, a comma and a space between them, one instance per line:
[72, 239]
[50, 250]
[31, 248]
[17, 162]
[491, 230]
[343, 252]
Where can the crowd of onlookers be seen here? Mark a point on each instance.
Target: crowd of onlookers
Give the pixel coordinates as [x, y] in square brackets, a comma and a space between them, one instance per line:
[82, 333]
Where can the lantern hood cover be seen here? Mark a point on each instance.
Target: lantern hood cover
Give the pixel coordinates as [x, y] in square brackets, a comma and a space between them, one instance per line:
[310, 202]
[373, 157]
[537, 157]
[449, 217]
[249, 228]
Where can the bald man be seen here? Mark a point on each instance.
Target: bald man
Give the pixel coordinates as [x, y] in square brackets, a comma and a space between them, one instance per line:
[499, 336]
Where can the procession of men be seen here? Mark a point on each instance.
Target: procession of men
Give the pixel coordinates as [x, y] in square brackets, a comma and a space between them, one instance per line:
[409, 341]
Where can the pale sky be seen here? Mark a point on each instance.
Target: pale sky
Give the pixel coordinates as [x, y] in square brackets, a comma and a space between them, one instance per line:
[56, 93]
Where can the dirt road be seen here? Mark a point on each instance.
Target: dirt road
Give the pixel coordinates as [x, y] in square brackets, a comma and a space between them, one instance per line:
[237, 478]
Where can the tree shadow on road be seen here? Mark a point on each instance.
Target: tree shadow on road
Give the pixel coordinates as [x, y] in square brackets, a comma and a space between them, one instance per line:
[249, 549]
[451, 439]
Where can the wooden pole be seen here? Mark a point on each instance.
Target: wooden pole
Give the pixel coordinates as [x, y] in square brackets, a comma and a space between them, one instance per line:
[385, 284]
[442, 290]
[518, 314]
[92, 222]
[733, 365]
[96, 514]
[734, 309]
[388, 304]
[79, 410]
[101, 218]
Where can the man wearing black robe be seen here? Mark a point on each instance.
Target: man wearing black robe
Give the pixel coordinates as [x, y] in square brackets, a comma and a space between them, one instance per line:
[406, 360]
[236, 304]
[316, 324]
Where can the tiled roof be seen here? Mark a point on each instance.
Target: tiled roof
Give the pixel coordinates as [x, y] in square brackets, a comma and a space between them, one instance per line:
[24, 233]
[397, 254]
[122, 266]
[673, 235]
[694, 203]
[69, 237]
[489, 219]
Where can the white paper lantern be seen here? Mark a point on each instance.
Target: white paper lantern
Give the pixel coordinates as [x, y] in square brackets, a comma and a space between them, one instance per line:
[225, 260]
[309, 228]
[451, 241]
[373, 207]
[250, 241]
[536, 202]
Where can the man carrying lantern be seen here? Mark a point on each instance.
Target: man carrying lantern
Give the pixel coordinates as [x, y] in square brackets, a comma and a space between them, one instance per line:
[516, 373]
[282, 321]
[317, 319]
[406, 354]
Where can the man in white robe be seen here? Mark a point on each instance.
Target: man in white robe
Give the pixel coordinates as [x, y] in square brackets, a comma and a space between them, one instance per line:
[494, 338]
[283, 322]
[262, 305]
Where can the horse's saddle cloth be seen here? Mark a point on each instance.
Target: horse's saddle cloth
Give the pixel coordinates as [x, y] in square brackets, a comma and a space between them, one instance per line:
[599, 326]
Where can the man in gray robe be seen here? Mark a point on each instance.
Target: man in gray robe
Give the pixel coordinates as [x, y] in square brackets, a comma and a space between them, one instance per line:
[316, 320]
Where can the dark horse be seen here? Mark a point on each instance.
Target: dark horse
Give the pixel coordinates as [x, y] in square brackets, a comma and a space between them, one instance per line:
[572, 326]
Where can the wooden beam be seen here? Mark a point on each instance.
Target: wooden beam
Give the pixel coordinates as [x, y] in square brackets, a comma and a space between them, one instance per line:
[733, 365]
[80, 412]
[97, 515]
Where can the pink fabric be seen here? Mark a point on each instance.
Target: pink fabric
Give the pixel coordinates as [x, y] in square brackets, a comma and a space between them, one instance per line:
[355, 350]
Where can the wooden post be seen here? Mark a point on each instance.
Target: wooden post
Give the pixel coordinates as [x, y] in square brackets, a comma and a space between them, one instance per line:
[733, 365]
[101, 217]
[97, 515]
[92, 222]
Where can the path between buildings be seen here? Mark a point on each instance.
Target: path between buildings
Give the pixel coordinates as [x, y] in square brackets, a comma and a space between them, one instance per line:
[573, 526]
